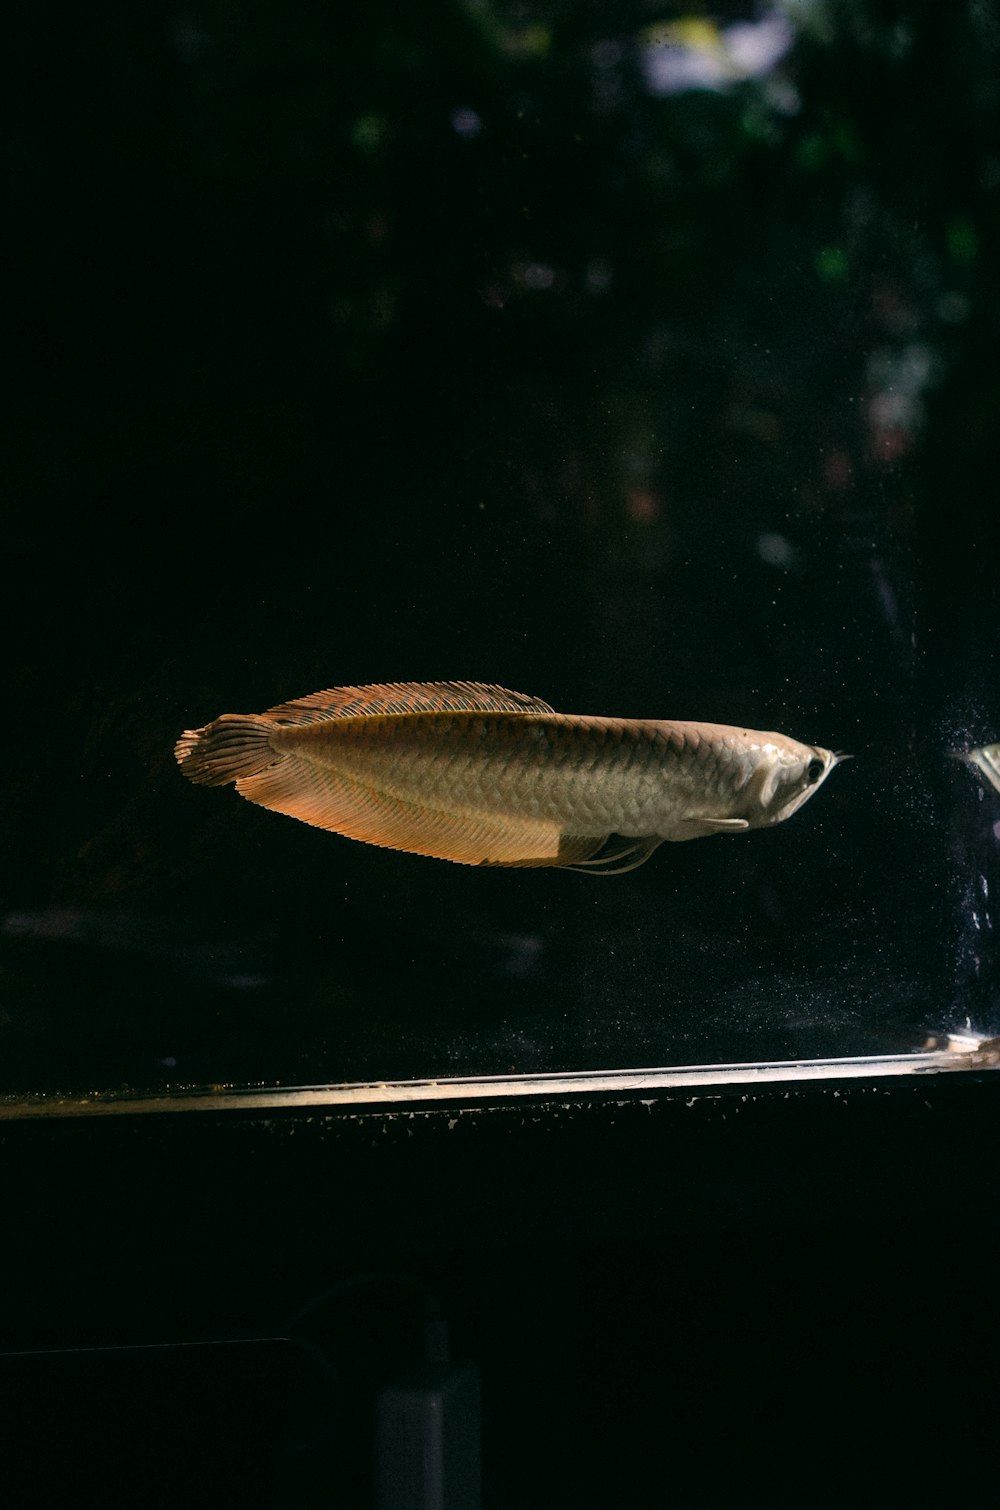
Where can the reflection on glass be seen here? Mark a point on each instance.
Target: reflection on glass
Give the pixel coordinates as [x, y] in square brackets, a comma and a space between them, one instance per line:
[986, 759]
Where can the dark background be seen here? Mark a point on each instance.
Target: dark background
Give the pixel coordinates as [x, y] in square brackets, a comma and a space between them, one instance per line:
[764, 1296]
[359, 343]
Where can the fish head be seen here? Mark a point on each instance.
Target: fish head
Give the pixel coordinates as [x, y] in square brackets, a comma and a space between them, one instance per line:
[794, 773]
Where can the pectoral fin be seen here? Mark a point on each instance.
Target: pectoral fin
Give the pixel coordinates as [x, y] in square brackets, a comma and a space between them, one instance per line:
[720, 825]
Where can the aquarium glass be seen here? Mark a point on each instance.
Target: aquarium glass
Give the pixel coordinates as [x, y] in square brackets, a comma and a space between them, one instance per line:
[641, 358]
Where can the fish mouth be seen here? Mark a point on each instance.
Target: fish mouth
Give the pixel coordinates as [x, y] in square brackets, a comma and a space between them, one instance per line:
[839, 756]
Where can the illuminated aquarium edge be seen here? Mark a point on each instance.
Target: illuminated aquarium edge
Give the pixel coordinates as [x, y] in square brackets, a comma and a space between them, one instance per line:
[957, 1052]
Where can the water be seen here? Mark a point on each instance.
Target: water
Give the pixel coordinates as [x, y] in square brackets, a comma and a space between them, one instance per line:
[660, 404]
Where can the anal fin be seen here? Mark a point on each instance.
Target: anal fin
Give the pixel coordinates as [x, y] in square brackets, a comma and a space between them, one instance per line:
[572, 850]
[328, 799]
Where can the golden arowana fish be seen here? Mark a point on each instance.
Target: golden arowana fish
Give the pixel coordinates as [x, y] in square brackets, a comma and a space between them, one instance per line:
[484, 776]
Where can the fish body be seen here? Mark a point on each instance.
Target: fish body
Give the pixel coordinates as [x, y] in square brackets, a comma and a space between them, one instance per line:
[480, 775]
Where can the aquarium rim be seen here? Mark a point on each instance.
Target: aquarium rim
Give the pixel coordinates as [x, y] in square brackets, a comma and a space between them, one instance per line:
[958, 1052]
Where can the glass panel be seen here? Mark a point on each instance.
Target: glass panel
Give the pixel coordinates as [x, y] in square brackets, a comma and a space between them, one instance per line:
[640, 361]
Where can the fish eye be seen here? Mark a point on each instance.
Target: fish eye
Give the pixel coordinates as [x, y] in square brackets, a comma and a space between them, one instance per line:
[814, 771]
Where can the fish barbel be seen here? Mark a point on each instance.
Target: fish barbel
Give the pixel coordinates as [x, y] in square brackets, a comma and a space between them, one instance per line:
[484, 776]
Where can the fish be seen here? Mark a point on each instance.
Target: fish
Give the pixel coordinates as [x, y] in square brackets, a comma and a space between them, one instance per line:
[481, 775]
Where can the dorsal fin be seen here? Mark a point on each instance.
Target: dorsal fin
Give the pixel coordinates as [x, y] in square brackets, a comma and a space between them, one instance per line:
[404, 697]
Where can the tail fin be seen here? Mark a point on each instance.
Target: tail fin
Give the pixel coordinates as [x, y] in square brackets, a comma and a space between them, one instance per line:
[228, 749]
